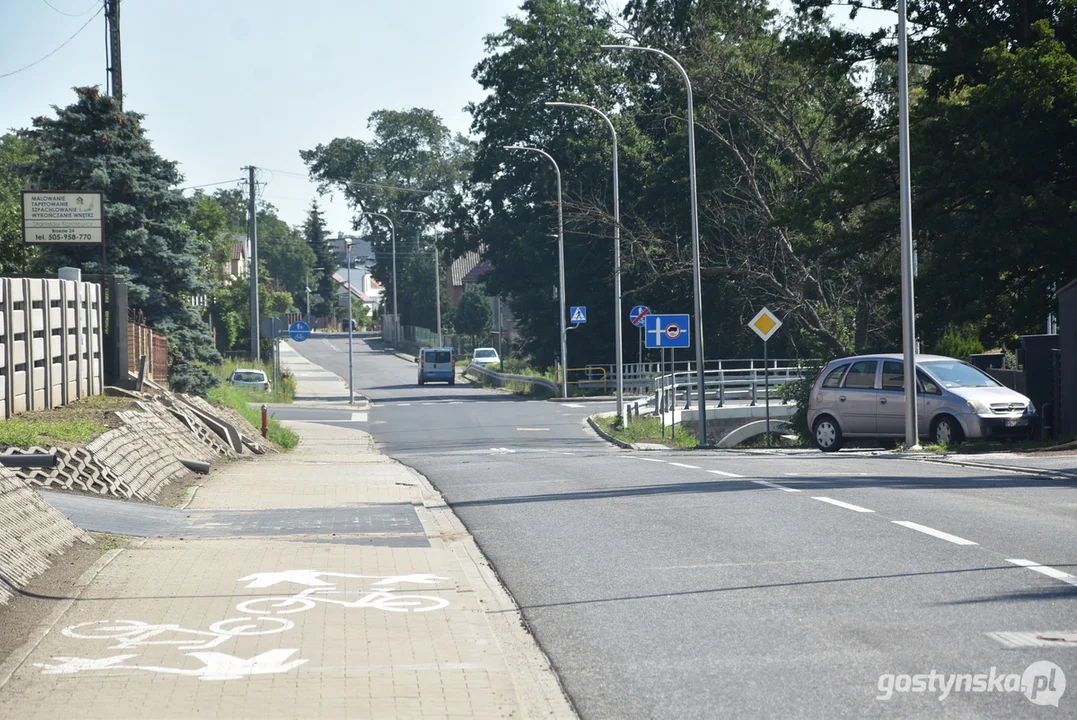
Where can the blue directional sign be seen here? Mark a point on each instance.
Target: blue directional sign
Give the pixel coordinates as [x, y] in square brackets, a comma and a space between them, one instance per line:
[578, 314]
[667, 331]
[639, 314]
[299, 331]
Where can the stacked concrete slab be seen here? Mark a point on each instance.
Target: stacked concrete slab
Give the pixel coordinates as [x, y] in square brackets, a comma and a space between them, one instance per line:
[142, 456]
[32, 533]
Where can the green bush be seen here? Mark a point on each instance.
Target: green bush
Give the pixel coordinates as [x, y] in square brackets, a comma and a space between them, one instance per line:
[799, 393]
[23, 432]
[959, 342]
[191, 378]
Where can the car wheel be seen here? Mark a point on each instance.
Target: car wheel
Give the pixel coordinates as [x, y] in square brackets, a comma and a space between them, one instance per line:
[947, 431]
[827, 434]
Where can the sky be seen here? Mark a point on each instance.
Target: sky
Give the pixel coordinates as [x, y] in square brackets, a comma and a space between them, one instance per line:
[229, 83]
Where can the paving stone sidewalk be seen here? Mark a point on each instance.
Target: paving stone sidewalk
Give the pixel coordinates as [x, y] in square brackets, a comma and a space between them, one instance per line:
[315, 384]
[382, 623]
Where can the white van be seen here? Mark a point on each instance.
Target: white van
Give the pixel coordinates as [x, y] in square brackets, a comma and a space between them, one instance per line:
[437, 364]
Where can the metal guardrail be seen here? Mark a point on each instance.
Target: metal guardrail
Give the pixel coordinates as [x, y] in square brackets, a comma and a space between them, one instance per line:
[591, 378]
[503, 379]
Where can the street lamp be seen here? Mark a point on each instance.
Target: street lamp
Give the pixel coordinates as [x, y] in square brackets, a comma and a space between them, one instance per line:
[561, 264]
[392, 234]
[351, 331]
[437, 269]
[908, 318]
[696, 278]
[308, 290]
[616, 254]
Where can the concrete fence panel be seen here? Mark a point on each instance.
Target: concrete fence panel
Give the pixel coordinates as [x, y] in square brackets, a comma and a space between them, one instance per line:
[50, 343]
[3, 351]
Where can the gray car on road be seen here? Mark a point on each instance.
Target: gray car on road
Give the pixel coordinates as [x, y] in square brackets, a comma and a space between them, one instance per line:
[864, 397]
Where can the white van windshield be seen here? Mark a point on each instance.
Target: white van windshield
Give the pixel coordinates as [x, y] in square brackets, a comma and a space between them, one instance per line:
[957, 374]
[485, 353]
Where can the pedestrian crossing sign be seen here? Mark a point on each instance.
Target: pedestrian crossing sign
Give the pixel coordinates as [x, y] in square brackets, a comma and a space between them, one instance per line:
[579, 314]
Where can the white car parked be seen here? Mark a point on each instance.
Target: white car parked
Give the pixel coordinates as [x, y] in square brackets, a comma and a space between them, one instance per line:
[250, 378]
[485, 356]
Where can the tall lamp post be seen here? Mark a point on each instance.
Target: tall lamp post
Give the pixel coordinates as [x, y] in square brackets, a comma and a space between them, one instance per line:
[351, 330]
[908, 317]
[616, 254]
[437, 269]
[697, 282]
[561, 264]
[308, 290]
[392, 234]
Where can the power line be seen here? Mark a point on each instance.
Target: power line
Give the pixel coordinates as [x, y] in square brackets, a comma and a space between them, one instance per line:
[67, 14]
[360, 184]
[35, 62]
[222, 182]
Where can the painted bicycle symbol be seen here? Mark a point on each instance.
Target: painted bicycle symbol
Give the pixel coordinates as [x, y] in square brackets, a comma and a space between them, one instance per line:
[135, 633]
[386, 600]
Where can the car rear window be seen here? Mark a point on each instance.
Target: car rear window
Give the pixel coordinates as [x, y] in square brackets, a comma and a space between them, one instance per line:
[862, 374]
[438, 356]
[833, 378]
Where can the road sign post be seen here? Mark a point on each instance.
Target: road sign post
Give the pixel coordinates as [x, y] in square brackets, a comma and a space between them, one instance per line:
[765, 324]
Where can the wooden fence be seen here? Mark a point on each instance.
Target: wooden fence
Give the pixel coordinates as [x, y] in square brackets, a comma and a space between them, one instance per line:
[144, 341]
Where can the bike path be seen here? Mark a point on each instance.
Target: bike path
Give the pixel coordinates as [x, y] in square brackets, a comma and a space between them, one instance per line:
[322, 623]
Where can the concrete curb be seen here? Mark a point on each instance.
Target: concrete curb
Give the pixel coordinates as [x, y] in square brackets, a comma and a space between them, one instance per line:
[1058, 474]
[538, 687]
[606, 436]
[18, 656]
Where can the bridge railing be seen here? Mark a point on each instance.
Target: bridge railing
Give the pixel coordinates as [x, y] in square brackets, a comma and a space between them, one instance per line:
[745, 383]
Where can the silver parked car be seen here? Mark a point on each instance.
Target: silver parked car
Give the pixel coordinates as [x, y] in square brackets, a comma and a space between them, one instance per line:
[250, 378]
[864, 397]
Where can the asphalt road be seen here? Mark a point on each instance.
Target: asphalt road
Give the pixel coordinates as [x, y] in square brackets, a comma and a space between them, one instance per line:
[735, 584]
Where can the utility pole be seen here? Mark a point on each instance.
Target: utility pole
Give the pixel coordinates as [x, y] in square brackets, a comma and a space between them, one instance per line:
[115, 67]
[252, 233]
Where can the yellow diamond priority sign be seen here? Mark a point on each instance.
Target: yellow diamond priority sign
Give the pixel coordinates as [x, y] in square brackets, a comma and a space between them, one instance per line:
[765, 324]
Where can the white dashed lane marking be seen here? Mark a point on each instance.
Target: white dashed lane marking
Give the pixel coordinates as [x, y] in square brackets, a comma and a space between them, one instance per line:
[847, 506]
[724, 473]
[690, 467]
[776, 486]
[1045, 570]
[934, 533]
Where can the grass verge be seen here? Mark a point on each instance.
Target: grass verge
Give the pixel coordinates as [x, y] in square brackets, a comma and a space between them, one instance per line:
[23, 432]
[240, 401]
[108, 541]
[647, 430]
[72, 424]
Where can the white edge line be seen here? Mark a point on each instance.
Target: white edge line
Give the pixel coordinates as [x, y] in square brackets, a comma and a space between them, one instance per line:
[18, 656]
[690, 467]
[847, 506]
[648, 459]
[1045, 570]
[934, 533]
[726, 474]
[776, 486]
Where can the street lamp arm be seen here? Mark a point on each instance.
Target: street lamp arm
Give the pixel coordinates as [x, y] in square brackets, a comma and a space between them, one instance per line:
[655, 51]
